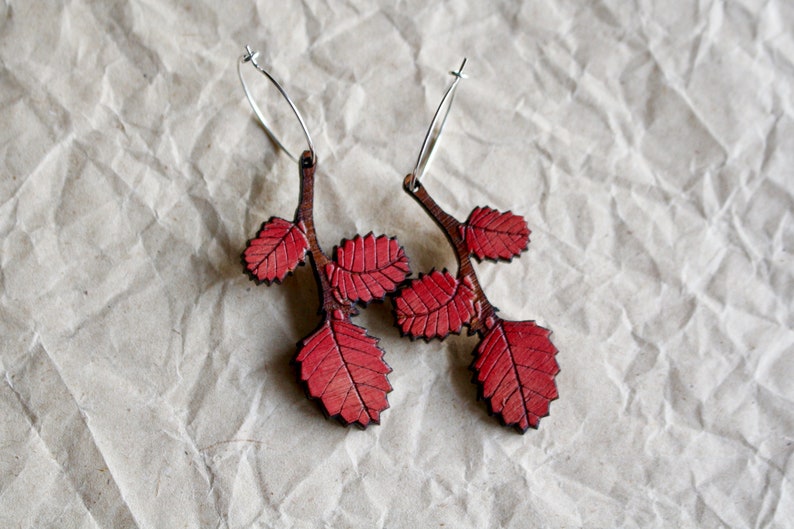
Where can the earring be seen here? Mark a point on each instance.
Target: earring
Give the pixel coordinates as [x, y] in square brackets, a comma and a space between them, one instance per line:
[340, 365]
[514, 362]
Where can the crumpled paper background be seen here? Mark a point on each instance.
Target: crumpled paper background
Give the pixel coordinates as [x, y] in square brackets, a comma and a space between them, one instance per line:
[146, 381]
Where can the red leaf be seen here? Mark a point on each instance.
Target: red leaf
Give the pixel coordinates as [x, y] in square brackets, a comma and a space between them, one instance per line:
[279, 247]
[366, 268]
[434, 305]
[491, 234]
[515, 367]
[343, 367]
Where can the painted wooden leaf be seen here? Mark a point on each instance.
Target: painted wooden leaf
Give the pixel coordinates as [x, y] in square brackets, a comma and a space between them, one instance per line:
[367, 268]
[343, 368]
[515, 367]
[434, 305]
[279, 247]
[491, 234]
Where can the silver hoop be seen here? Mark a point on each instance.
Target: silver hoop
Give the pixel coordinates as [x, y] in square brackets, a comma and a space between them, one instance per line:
[250, 56]
[431, 138]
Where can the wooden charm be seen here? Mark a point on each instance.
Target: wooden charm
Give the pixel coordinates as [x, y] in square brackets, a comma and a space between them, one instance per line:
[341, 365]
[514, 362]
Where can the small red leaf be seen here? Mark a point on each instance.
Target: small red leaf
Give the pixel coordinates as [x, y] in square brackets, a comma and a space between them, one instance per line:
[434, 305]
[367, 268]
[343, 368]
[515, 367]
[279, 247]
[491, 234]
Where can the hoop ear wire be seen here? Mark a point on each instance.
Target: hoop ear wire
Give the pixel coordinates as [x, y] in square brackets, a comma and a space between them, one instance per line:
[433, 132]
[251, 56]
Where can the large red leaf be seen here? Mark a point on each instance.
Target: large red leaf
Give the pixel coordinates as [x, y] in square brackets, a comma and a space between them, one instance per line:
[367, 268]
[343, 368]
[434, 305]
[515, 367]
[491, 234]
[279, 247]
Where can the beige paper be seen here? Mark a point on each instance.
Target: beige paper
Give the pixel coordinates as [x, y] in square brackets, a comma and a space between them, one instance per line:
[146, 382]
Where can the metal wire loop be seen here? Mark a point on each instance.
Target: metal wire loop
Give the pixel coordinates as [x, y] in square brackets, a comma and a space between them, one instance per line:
[436, 128]
[251, 56]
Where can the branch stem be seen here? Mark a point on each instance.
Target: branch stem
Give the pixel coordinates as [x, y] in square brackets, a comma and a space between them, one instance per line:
[485, 317]
[320, 260]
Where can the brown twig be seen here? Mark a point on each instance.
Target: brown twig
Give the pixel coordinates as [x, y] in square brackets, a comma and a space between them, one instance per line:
[485, 317]
[320, 259]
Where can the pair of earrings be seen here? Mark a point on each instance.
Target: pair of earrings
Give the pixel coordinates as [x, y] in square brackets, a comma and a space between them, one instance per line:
[339, 363]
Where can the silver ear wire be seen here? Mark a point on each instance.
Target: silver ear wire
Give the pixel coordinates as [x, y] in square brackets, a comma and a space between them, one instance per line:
[250, 56]
[433, 132]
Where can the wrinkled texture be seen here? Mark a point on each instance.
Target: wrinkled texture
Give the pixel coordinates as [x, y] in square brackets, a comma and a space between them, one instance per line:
[649, 145]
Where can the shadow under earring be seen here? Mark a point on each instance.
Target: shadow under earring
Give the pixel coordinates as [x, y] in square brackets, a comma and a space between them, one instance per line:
[341, 365]
[514, 364]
